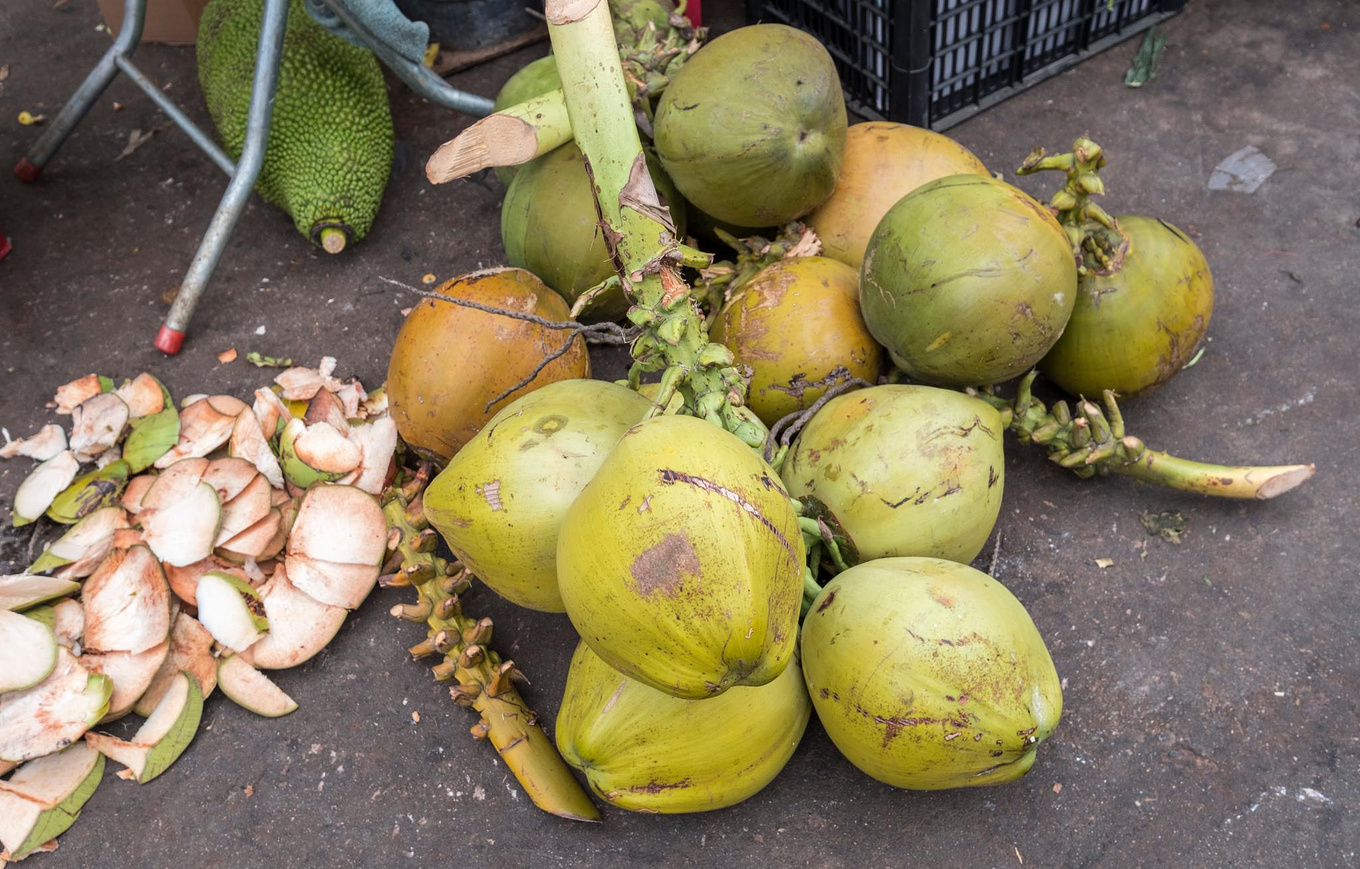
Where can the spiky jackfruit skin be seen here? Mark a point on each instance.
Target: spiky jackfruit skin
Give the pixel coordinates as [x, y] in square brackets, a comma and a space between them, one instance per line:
[330, 139]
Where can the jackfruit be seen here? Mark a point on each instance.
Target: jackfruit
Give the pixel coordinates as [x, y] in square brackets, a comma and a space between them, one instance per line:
[330, 144]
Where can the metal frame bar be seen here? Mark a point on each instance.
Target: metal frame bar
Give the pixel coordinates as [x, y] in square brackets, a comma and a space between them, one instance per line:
[165, 104]
[244, 172]
[270, 47]
[417, 76]
[30, 166]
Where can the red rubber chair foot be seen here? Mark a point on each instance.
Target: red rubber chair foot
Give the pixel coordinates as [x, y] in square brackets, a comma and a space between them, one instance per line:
[169, 340]
[26, 171]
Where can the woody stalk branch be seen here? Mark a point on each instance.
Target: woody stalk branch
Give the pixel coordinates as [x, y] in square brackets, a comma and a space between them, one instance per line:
[638, 229]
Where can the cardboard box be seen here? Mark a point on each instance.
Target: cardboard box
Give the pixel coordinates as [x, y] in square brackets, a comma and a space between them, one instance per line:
[173, 22]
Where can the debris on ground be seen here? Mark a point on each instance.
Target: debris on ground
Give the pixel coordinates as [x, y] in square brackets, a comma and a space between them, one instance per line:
[1243, 171]
[1144, 68]
[197, 554]
[1169, 525]
[261, 361]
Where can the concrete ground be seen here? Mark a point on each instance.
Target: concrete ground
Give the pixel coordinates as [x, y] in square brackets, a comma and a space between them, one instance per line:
[1211, 714]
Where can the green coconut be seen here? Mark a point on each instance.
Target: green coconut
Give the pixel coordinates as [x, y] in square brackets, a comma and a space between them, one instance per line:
[550, 227]
[967, 281]
[500, 501]
[646, 751]
[752, 128]
[929, 674]
[902, 470]
[631, 18]
[681, 562]
[793, 324]
[533, 80]
[1138, 322]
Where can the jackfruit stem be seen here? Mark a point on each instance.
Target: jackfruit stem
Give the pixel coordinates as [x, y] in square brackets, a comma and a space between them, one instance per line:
[333, 239]
[637, 228]
[481, 679]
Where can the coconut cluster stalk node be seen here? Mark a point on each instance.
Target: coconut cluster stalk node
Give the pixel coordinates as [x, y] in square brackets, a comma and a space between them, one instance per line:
[638, 231]
[481, 680]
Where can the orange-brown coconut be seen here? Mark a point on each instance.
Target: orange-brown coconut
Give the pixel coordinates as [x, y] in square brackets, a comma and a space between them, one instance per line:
[450, 361]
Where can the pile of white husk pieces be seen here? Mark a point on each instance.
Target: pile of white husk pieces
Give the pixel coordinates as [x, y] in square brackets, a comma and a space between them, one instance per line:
[206, 543]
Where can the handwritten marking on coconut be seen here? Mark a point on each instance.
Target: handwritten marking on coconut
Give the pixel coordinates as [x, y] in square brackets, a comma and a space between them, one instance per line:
[491, 493]
[670, 477]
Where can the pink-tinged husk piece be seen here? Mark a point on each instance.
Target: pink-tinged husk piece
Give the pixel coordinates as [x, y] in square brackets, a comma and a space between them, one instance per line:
[130, 672]
[127, 603]
[299, 626]
[190, 650]
[143, 396]
[70, 395]
[203, 427]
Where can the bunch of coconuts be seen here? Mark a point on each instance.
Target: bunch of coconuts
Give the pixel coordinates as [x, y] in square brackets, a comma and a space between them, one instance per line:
[688, 563]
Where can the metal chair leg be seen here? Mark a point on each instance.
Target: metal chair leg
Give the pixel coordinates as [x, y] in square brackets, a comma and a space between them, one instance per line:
[171, 335]
[30, 166]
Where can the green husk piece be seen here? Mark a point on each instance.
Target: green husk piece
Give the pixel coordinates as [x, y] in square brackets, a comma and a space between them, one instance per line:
[173, 744]
[152, 436]
[23, 591]
[98, 488]
[43, 614]
[106, 384]
[56, 817]
[158, 743]
[260, 361]
[59, 818]
[47, 561]
[79, 536]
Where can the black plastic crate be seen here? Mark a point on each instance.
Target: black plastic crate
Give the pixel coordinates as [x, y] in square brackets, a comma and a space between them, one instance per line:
[934, 63]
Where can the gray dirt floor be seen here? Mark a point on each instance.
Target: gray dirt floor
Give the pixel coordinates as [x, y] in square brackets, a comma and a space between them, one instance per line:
[1211, 715]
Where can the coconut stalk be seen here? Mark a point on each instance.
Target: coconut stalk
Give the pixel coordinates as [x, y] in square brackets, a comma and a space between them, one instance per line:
[480, 679]
[638, 230]
[510, 137]
[524, 132]
[1097, 240]
[1093, 441]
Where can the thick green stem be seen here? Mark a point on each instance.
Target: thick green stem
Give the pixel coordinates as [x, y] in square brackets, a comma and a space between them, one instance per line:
[638, 230]
[479, 678]
[509, 137]
[1224, 481]
[1090, 441]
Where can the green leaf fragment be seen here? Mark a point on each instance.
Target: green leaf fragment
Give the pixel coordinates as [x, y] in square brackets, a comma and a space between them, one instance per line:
[152, 436]
[106, 383]
[99, 488]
